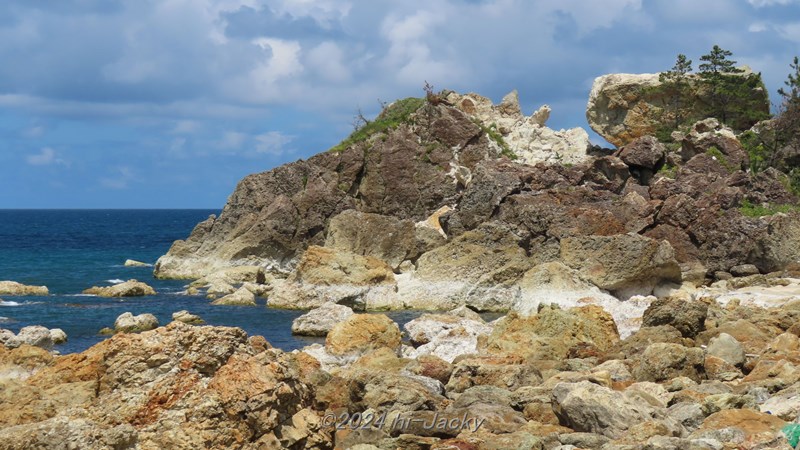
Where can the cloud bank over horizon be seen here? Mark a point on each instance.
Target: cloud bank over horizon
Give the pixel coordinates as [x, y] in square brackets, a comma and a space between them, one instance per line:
[169, 103]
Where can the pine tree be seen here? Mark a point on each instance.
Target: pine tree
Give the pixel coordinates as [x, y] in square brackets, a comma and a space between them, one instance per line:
[718, 72]
[730, 91]
[717, 62]
[675, 82]
[793, 83]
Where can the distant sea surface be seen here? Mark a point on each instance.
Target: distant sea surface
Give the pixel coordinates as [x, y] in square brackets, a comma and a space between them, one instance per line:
[71, 250]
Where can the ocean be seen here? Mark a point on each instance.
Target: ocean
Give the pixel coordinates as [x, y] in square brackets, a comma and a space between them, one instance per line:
[71, 250]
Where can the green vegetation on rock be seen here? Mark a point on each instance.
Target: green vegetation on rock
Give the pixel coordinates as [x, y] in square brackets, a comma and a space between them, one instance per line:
[493, 134]
[752, 210]
[391, 117]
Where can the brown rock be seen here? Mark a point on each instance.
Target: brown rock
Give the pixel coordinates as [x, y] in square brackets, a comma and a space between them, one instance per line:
[361, 332]
[552, 332]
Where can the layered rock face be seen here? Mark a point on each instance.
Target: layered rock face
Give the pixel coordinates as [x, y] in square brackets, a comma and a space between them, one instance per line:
[623, 107]
[407, 173]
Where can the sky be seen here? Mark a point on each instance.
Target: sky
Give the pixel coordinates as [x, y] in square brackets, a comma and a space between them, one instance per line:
[169, 103]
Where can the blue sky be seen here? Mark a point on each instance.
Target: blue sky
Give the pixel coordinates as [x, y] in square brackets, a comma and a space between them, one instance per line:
[163, 104]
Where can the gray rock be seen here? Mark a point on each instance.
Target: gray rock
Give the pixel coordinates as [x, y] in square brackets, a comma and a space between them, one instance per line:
[629, 263]
[387, 238]
[688, 414]
[128, 323]
[35, 335]
[663, 361]
[242, 297]
[319, 321]
[58, 336]
[727, 348]
[688, 317]
[583, 440]
[744, 270]
[588, 407]
[187, 317]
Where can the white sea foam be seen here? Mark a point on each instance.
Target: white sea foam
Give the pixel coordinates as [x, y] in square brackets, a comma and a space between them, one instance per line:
[115, 281]
[79, 295]
[8, 303]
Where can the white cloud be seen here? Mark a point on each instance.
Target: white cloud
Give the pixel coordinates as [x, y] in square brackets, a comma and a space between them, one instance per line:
[272, 142]
[757, 27]
[46, 157]
[763, 3]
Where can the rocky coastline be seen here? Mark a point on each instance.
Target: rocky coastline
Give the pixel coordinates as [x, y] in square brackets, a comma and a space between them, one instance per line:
[644, 297]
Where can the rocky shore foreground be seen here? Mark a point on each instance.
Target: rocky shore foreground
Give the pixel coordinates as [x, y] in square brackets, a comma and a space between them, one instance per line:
[711, 372]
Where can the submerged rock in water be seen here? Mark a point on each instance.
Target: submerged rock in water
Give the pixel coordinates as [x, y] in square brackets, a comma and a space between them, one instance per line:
[14, 288]
[134, 263]
[130, 288]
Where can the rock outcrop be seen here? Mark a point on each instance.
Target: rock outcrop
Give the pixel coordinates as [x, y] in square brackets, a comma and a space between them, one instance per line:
[434, 214]
[623, 107]
[130, 288]
[527, 137]
[180, 387]
[14, 288]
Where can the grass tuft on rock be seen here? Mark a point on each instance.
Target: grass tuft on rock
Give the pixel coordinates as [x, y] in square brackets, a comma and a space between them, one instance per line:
[391, 117]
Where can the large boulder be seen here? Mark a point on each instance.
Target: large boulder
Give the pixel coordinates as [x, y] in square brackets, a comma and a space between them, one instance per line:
[446, 336]
[326, 275]
[553, 333]
[130, 288]
[14, 288]
[478, 269]
[623, 107]
[35, 335]
[688, 317]
[320, 321]
[627, 264]
[362, 332]
[240, 297]
[588, 407]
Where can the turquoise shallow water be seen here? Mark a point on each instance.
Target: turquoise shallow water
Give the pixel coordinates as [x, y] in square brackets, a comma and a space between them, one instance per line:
[71, 250]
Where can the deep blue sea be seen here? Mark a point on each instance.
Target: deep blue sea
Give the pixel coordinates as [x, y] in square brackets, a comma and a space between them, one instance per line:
[71, 250]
